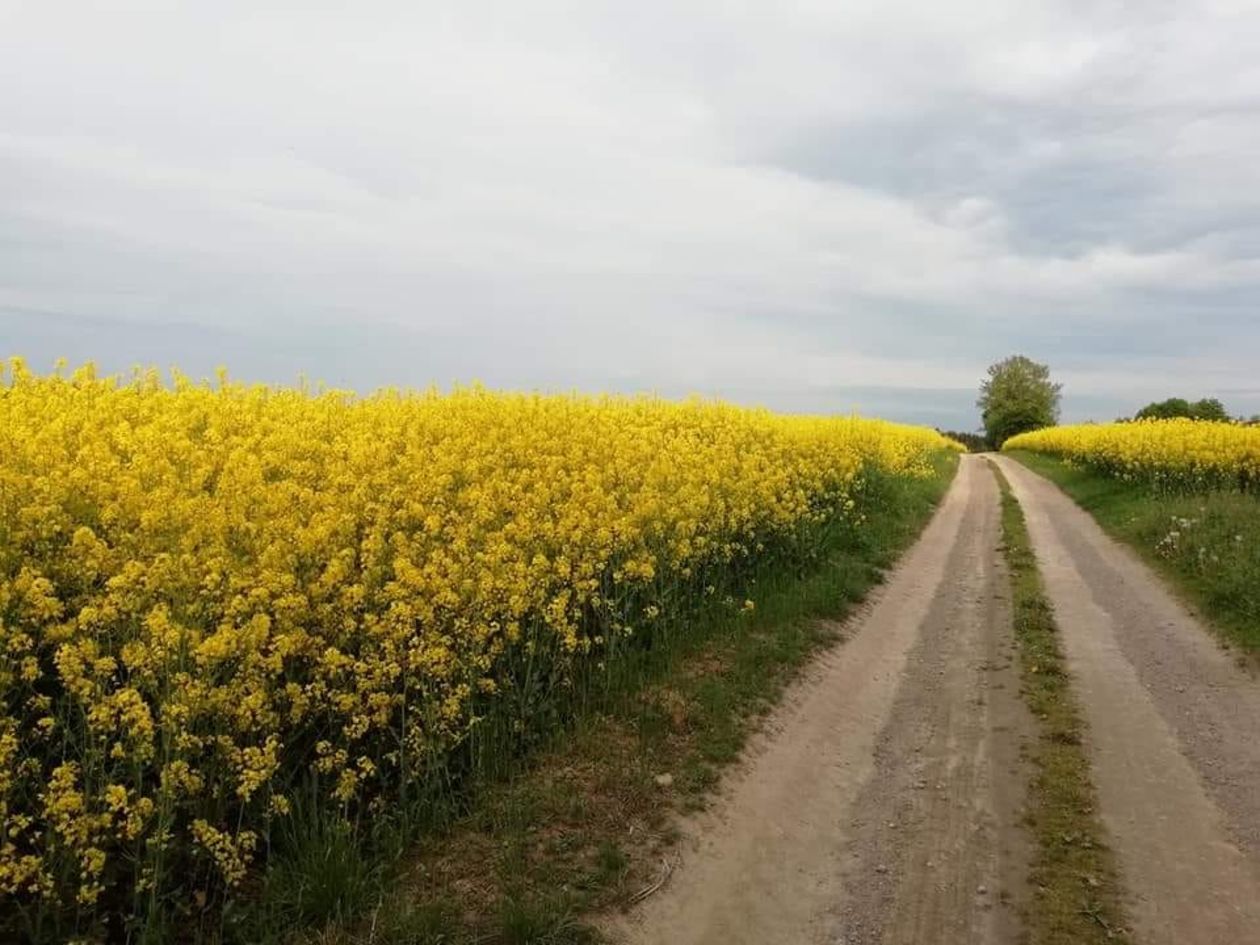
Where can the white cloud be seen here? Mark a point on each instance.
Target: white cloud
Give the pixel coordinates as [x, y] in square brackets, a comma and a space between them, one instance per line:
[728, 197]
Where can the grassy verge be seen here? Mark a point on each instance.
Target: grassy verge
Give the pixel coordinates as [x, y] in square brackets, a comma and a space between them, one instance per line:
[1207, 545]
[588, 824]
[1076, 898]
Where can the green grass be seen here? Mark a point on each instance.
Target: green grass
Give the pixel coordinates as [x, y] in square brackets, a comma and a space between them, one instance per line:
[1207, 545]
[1076, 892]
[585, 824]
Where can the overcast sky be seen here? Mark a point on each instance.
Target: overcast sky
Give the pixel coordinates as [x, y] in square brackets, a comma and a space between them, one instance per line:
[816, 206]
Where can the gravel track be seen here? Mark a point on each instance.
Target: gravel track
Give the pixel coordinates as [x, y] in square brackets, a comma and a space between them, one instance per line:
[882, 801]
[1174, 729]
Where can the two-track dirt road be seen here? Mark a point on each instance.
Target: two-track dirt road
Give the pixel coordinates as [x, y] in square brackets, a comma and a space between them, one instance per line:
[882, 802]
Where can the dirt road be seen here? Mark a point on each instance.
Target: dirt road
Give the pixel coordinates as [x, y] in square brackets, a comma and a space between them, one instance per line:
[882, 802]
[1175, 729]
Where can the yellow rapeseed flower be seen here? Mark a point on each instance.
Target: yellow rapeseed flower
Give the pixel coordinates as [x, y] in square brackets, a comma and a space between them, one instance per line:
[210, 592]
[1174, 454]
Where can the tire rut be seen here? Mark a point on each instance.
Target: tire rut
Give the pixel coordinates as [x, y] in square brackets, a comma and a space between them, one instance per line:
[938, 854]
[909, 722]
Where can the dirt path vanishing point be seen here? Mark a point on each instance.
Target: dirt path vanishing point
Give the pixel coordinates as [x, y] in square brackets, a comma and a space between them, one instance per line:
[882, 801]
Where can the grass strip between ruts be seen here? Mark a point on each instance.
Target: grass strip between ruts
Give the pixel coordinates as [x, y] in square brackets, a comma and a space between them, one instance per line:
[1076, 889]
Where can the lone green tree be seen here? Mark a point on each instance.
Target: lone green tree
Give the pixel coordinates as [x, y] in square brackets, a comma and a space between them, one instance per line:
[1017, 396]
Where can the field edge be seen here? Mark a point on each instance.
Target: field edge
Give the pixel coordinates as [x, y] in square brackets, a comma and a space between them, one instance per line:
[587, 827]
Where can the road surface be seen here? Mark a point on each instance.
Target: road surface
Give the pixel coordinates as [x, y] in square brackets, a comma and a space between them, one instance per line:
[882, 802]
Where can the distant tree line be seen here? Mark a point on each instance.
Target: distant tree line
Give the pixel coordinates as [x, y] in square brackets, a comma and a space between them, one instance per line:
[1209, 408]
[973, 441]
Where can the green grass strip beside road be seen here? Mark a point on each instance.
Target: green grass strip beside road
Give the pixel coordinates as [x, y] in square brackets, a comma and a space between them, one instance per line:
[1076, 892]
[1207, 545]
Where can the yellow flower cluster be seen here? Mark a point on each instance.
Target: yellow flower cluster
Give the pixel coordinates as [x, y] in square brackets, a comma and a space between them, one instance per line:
[210, 593]
[1170, 454]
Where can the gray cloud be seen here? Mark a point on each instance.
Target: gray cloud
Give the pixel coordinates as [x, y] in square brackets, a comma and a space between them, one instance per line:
[823, 207]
